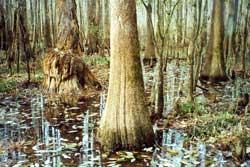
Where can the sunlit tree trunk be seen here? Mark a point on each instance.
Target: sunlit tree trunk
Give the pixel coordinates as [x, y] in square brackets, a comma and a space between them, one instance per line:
[64, 69]
[214, 66]
[125, 123]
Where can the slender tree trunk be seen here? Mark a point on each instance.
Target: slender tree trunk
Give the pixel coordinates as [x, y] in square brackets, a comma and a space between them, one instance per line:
[81, 23]
[149, 43]
[2, 26]
[53, 24]
[130, 127]
[159, 104]
[24, 35]
[92, 30]
[230, 34]
[47, 36]
[106, 26]
[193, 54]
[35, 23]
[202, 40]
[179, 22]
[185, 22]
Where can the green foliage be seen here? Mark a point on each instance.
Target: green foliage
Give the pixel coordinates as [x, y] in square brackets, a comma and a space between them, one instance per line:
[215, 124]
[189, 107]
[7, 85]
[186, 107]
[96, 60]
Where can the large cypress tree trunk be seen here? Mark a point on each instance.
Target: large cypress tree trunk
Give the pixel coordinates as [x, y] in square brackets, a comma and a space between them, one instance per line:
[64, 69]
[125, 123]
[214, 66]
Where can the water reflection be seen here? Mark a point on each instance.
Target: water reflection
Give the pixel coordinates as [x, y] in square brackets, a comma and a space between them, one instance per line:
[47, 133]
[174, 153]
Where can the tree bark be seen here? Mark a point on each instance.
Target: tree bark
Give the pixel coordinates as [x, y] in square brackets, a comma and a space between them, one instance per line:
[2, 27]
[24, 35]
[64, 69]
[244, 49]
[106, 25]
[130, 127]
[92, 30]
[149, 43]
[179, 21]
[47, 36]
[159, 98]
[214, 66]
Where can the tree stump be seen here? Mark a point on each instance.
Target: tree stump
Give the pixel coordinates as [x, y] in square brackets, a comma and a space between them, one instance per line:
[66, 72]
[64, 69]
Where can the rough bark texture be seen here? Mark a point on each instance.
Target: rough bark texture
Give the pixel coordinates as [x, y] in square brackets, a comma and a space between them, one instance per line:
[125, 123]
[106, 25]
[244, 49]
[214, 66]
[64, 69]
[179, 21]
[47, 35]
[24, 35]
[159, 98]
[93, 27]
[149, 45]
[68, 30]
[65, 72]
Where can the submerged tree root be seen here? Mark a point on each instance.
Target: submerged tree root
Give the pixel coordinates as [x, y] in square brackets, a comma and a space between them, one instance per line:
[66, 72]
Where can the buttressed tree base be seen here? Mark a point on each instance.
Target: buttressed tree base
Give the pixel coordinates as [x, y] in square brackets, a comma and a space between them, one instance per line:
[125, 123]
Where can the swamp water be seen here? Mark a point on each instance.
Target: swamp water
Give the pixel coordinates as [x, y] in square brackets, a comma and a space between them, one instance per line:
[38, 131]
[30, 136]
